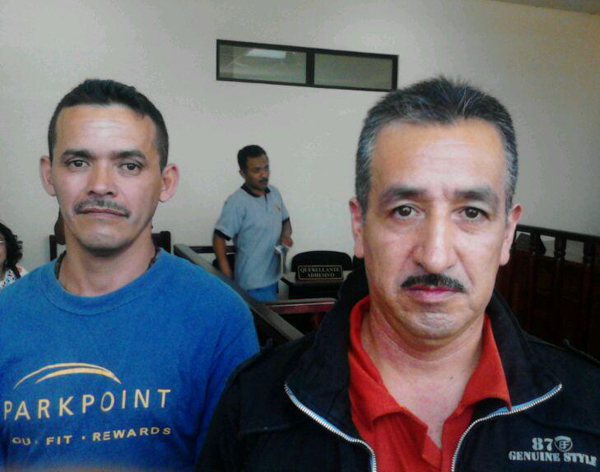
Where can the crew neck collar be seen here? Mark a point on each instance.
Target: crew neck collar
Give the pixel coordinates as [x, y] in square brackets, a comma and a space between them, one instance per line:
[81, 305]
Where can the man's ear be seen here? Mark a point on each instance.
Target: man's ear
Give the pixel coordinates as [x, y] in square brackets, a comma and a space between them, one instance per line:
[46, 175]
[357, 227]
[170, 180]
[509, 232]
[243, 174]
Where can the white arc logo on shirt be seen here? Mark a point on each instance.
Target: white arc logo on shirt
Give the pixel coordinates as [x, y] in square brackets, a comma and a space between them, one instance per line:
[68, 368]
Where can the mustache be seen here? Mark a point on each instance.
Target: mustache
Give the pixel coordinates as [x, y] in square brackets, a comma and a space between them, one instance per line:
[96, 202]
[434, 280]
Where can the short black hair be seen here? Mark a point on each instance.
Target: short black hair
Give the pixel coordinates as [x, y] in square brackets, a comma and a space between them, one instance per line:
[435, 101]
[106, 93]
[248, 152]
[13, 249]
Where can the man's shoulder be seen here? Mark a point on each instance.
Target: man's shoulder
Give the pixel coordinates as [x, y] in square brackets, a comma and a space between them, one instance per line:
[268, 370]
[577, 404]
[23, 300]
[238, 197]
[190, 279]
[23, 288]
[566, 361]
[256, 389]
[275, 191]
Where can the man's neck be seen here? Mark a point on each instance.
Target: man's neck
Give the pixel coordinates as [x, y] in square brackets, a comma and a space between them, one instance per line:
[255, 191]
[419, 354]
[85, 274]
[428, 379]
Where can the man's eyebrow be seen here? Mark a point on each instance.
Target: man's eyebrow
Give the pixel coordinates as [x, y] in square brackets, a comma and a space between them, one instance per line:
[76, 152]
[483, 194]
[401, 192]
[130, 153]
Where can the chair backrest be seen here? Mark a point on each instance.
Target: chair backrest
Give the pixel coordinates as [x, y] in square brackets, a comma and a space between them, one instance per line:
[357, 262]
[162, 240]
[322, 258]
[229, 249]
[53, 247]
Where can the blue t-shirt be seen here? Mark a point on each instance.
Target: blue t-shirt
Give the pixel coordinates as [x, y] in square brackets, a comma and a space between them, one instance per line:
[254, 224]
[127, 380]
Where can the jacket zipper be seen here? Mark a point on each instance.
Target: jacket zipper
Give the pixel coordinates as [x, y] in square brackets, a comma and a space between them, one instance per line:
[503, 412]
[329, 427]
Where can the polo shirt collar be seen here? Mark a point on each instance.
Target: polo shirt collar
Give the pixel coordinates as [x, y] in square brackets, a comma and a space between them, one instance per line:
[247, 189]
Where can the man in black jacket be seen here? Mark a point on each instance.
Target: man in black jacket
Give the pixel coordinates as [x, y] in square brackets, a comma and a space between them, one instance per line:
[427, 369]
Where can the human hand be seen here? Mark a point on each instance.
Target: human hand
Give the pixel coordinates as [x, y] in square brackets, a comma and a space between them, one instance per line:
[286, 241]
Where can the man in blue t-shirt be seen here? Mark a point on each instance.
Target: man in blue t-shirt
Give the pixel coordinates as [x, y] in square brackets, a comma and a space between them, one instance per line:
[255, 217]
[114, 356]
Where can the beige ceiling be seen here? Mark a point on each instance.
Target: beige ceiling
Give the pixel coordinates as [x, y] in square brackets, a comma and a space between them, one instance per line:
[585, 6]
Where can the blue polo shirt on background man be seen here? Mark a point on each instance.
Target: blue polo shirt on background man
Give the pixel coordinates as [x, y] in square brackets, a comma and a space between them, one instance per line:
[255, 217]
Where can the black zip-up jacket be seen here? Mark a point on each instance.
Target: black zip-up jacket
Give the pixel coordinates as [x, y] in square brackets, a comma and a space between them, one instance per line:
[288, 408]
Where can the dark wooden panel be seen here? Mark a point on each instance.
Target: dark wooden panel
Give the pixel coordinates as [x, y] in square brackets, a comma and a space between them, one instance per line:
[553, 290]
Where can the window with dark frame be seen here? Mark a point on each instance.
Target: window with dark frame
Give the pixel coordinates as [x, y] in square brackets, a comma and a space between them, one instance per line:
[305, 67]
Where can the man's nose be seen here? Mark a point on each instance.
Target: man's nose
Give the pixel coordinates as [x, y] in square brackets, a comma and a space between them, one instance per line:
[435, 251]
[101, 180]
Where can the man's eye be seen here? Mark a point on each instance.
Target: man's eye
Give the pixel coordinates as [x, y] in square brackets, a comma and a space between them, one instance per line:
[131, 166]
[404, 211]
[77, 163]
[474, 213]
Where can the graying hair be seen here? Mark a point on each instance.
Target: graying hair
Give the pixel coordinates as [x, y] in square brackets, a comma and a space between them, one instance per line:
[435, 101]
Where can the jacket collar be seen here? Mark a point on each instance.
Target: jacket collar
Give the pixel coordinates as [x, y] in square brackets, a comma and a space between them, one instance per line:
[321, 379]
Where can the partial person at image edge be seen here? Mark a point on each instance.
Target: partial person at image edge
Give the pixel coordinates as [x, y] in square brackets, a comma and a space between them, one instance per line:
[10, 254]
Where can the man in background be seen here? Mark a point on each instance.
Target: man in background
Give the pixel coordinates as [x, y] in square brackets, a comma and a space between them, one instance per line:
[113, 356]
[424, 368]
[255, 217]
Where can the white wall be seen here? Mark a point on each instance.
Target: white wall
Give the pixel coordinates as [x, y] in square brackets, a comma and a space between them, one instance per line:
[544, 64]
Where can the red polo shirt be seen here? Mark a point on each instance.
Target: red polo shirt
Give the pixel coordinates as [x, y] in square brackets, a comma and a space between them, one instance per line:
[398, 437]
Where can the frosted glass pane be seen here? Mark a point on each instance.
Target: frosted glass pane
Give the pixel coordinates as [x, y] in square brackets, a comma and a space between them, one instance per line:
[269, 65]
[353, 71]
